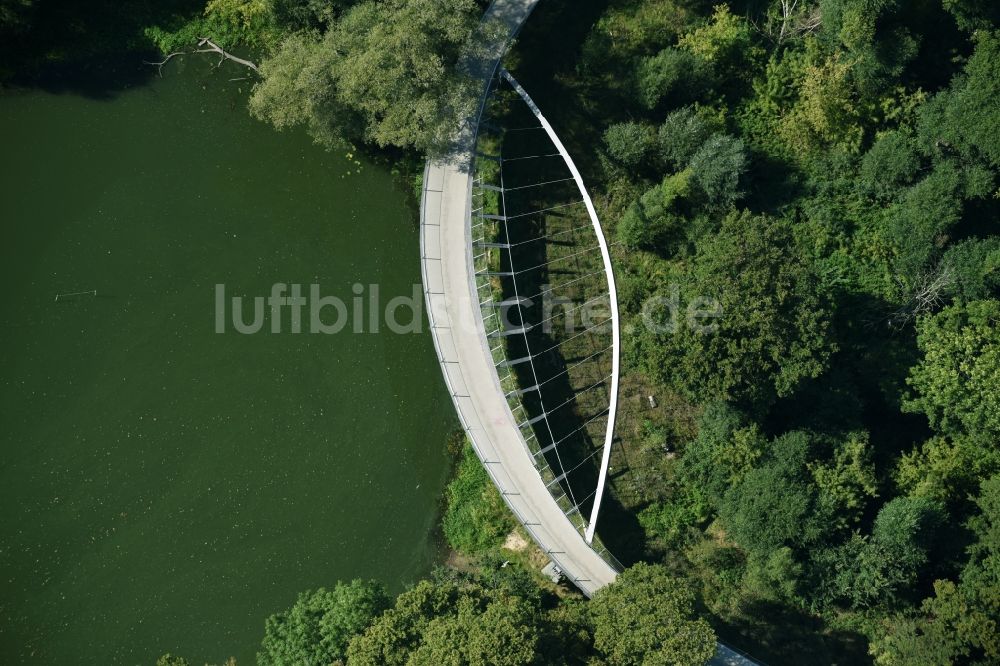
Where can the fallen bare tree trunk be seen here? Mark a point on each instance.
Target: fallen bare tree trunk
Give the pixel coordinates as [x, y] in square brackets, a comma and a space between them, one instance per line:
[212, 48]
[215, 48]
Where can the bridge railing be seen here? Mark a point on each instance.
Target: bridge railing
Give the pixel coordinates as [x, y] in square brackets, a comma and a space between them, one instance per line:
[487, 211]
[472, 421]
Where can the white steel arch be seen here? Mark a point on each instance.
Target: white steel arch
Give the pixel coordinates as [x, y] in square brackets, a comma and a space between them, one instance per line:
[612, 293]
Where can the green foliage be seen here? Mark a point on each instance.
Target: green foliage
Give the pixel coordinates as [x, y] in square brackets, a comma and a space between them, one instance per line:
[646, 617]
[918, 223]
[170, 660]
[905, 528]
[726, 42]
[681, 135]
[877, 52]
[298, 88]
[636, 230]
[396, 68]
[670, 522]
[321, 623]
[298, 15]
[673, 76]
[654, 221]
[717, 168]
[775, 504]
[981, 576]
[640, 229]
[891, 164]
[944, 635]
[451, 624]
[776, 577]
[975, 265]
[774, 93]
[826, 115]
[228, 23]
[728, 445]
[629, 144]
[957, 383]
[947, 470]
[966, 118]
[974, 14]
[634, 29]
[874, 571]
[252, 21]
[382, 73]
[568, 639]
[774, 327]
[847, 482]
[868, 248]
[260, 24]
[959, 623]
[475, 519]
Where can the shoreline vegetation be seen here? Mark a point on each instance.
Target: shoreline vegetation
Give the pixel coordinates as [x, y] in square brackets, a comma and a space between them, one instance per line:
[819, 480]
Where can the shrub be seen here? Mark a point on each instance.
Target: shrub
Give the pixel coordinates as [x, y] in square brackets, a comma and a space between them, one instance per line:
[681, 135]
[629, 144]
[319, 626]
[718, 167]
[671, 75]
[476, 518]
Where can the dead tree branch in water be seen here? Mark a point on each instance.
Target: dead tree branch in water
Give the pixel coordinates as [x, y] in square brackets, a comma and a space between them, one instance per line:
[159, 65]
[212, 47]
[224, 55]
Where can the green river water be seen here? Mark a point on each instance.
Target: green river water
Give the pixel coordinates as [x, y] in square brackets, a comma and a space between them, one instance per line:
[164, 487]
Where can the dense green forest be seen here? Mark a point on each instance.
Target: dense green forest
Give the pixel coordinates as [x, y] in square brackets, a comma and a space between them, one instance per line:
[821, 477]
[827, 172]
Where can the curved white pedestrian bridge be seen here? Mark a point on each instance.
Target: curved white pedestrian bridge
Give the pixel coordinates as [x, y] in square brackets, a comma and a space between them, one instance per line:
[523, 312]
[497, 403]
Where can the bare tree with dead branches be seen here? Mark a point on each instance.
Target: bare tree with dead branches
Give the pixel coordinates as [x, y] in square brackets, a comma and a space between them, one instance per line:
[927, 295]
[790, 19]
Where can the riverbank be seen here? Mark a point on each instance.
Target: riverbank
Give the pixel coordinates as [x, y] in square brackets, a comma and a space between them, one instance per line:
[479, 529]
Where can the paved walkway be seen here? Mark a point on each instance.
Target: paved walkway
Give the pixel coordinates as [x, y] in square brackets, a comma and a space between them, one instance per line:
[461, 344]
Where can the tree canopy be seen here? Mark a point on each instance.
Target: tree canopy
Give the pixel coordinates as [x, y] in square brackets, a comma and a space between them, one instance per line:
[805, 196]
[384, 72]
[319, 626]
[957, 384]
[773, 329]
[646, 618]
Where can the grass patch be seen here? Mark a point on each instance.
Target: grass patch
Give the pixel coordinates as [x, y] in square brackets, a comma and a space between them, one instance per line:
[476, 518]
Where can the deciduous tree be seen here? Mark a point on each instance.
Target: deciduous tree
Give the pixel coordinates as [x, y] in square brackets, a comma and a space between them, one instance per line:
[646, 618]
[772, 328]
[390, 65]
[451, 624]
[957, 384]
[321, 623]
